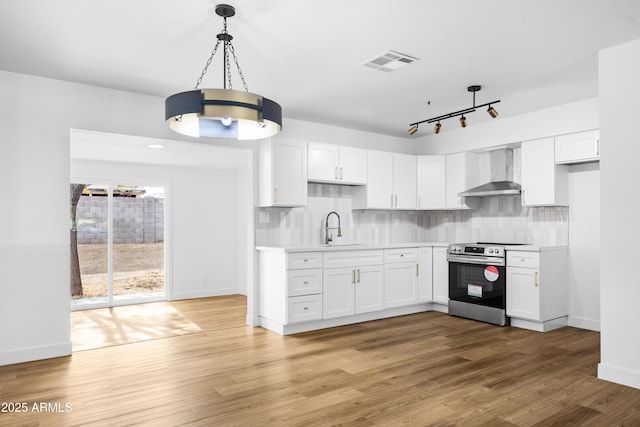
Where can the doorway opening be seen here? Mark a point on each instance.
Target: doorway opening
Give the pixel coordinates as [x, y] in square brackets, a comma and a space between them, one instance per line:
[117, 244]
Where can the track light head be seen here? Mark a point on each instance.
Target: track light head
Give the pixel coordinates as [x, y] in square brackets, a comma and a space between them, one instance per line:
[492, 112]
[413, 129]
[437, 128]
[463, 121]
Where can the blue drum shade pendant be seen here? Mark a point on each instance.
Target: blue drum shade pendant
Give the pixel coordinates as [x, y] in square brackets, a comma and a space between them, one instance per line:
[223, 113]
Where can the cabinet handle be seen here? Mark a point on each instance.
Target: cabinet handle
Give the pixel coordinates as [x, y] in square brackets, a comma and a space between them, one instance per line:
[358, 275]
[392, 200]
[396, 197]
[461, 201]
[522, 197]
[341, 177]
[305, 260]
[353, 276]
[275, 195]
[417, 269]
[535, 278]
[306, 308]
[598, 147]
[336, 173]
[306, 283]
[418, 201]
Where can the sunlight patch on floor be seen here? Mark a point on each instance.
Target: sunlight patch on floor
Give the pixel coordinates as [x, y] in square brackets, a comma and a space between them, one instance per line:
[105, 327]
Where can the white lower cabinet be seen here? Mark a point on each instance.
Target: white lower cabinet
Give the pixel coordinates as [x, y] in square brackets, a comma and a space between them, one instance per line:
[537, 288]
[353, 283]
[400, 277]
[440, 276]
[425, 274]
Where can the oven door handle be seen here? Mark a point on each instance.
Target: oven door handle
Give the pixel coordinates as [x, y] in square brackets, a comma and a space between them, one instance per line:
[476, 260]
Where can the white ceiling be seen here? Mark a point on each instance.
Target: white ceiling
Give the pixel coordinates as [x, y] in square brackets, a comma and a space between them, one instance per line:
[306, 55]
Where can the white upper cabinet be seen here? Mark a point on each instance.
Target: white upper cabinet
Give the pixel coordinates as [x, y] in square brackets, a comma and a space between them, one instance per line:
[404, 181]
[431, 182]
[578, 147]
[543, 182]
[461, 171]
[335, 164]
[283, 172]
[391, 182]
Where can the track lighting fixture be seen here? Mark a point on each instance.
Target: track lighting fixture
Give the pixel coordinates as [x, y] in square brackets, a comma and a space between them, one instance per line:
[463, 120]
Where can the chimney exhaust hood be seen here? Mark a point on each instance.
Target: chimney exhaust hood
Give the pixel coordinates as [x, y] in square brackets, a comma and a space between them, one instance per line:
[501, 183]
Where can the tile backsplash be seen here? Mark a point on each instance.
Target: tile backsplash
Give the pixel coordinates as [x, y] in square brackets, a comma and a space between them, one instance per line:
[497, 219]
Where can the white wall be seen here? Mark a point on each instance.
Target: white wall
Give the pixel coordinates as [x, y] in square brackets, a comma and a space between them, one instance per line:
[620, 234]
[36, 116]
[202, 233]
[584, 246]
[316, 132]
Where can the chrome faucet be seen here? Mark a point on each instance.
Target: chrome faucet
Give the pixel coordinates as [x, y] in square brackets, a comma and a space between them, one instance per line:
[328, 237]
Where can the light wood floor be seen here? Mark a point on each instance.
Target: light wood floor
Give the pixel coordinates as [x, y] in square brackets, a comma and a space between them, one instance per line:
[427, 369]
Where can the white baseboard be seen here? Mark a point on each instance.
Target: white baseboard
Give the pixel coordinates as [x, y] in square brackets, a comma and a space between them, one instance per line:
[619, 375]
[202, 294]
[35, 353]
[583, 323]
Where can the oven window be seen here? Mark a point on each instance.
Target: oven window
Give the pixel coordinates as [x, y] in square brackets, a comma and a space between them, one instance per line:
[477, 284]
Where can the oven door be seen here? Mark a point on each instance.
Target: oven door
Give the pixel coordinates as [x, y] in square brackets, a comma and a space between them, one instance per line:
[478, 284]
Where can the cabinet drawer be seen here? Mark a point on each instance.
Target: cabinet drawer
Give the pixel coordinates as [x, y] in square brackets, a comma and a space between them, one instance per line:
[304, 308]
[400, 255]
[299, 260]
[523, 259]
[341, 259]
[304, 282]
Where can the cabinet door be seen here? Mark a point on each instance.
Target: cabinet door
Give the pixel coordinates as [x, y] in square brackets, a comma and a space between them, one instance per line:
[425, 274]
[523, 293]
[323, 162]
[440, 276]
[431, 182]
[404, 181]
[353, 166]
[461, 172]
[577, 147]
[400, 284]
[338, 293]
[379, 180]
[369, 289]
[289, 173]
[543, 182]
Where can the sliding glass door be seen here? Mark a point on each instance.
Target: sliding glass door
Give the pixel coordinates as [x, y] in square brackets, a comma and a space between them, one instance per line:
[117, 244]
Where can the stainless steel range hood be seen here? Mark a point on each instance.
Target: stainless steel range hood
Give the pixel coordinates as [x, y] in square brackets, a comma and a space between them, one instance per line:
[501, 183]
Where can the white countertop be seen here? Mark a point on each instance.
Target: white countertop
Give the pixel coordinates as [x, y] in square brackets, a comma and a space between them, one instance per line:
[365, 246]
[350, 247]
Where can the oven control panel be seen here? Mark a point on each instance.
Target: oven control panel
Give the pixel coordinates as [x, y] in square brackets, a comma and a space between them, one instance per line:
[476, 249]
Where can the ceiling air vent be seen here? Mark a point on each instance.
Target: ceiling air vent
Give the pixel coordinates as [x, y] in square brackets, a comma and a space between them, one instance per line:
[389, 61]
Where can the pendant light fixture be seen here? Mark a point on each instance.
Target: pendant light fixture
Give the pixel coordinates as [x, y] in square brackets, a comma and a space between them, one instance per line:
[223, 113]
[413, 127]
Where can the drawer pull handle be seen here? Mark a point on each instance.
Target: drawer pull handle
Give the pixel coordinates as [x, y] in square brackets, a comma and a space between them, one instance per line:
[306, 308]
[535, 275]
[401, 255]
[306, 283]
[305, 260]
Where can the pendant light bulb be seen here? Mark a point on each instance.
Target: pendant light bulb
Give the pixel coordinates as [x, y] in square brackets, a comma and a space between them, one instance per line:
[463, 121]
[413, 129]
[437, 128]
[492, 112]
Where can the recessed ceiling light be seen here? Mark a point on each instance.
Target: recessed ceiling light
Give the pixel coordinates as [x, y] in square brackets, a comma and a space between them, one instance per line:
[156, 146]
